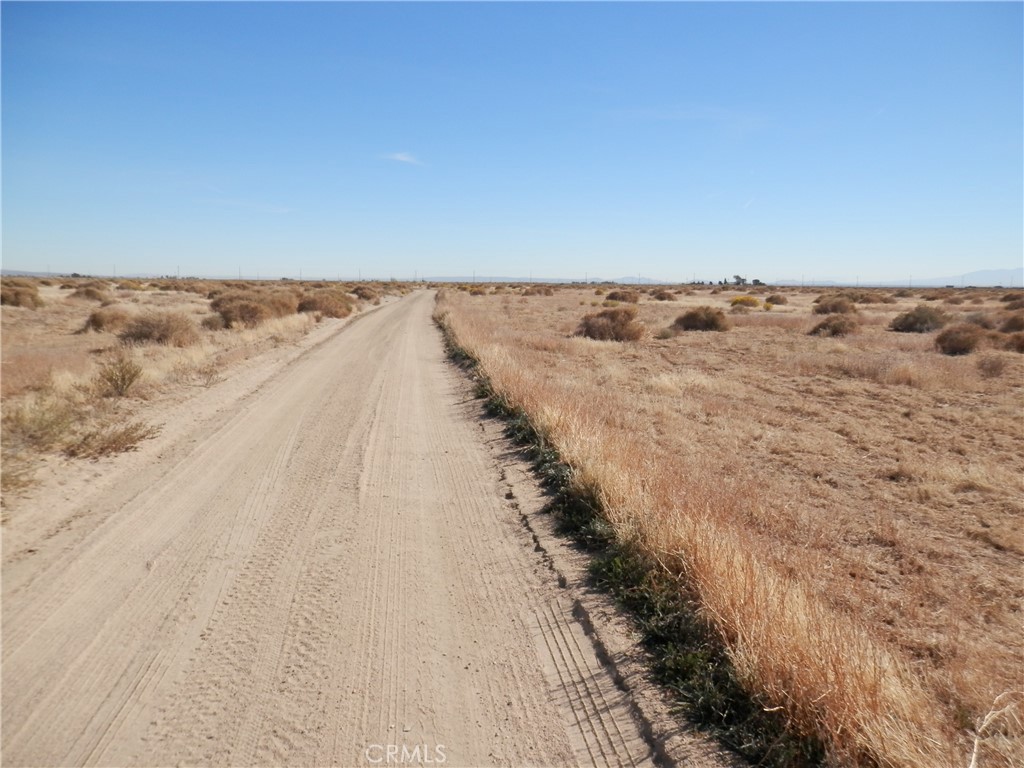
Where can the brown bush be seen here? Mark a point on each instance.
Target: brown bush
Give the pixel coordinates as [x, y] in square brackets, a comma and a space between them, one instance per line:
[835, 325]
[833, 305]
[20, 293]
[539, 290]
[1013, 324]
[173, 329]
[627, 296]
[921, 319]
[1014, 342]
[106, 320]
[982, 320]
[991, 366]
[213, 323]
[664, 296]
[959, 339]
[1015, 304]
[367, 293]
[89, 293]
[328, 302]
[776, 298]
[618, 324]
[1012, 296]
[702, 319]
[117, 376]
[250, 308]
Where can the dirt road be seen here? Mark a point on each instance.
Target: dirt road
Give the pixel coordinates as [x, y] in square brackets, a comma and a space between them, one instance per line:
[325, 574]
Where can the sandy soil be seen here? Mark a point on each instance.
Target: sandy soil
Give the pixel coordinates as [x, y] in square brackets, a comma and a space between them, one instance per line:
[323, 565]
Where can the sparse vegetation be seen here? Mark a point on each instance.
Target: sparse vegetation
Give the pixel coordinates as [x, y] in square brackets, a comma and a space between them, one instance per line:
[174, 329]
[20, 293]
[959, 339]
[920, 319]
[702, 319]
[106, 320]
[777, 299]
[750, 302]
[835, 325]
[118, 375]
[328, 302]
[829, 305]
[618, 324]
[625, 296]
[863, 631]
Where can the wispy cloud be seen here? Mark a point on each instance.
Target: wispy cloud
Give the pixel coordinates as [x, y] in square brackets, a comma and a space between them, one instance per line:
[403, 157]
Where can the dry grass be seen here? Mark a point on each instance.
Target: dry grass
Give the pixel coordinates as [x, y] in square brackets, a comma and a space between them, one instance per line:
[173, 329]
[16, 292]
[846, 510]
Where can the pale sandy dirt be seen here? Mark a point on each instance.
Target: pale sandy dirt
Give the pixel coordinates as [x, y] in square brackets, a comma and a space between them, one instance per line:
[308, 567]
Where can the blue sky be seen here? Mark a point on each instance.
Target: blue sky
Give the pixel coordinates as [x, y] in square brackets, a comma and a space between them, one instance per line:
[673, 140]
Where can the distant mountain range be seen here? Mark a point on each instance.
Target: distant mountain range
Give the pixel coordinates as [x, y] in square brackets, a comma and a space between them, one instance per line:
[981, 278]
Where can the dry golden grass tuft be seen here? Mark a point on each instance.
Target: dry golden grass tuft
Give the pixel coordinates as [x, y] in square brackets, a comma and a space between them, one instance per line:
[624, 295]
[848, 518]
[327, 302]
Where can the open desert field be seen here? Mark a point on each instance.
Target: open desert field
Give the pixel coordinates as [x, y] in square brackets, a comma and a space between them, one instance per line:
[319, 556]
[845, 510]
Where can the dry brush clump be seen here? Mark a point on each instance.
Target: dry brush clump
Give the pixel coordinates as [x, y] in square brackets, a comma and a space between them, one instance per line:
[16, 292]
[777, 299]
[920, 319]
[106, 320]
[664, 296]
[618, 324]
[835, 304]
[90, 293]
[960, 339]
[625, 296]
[750, 302]
[835, 325]
[327, 302]
[249, 308]
[702, 319]
[173, 329]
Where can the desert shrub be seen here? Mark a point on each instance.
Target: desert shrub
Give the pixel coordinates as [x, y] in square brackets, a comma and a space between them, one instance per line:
[1013, 324]
[625, 296]
[599, 291]
[835, 325]
[982, 320]
[664, 296]
[617, 324]
[89, 293]
[171, 328]
[367, 293]
[745, 301]
[903, 293]
[991, 366]
[1014, 342]
[108, 440]
[702, 319]
[106, 320]
[40, 422]
[953, 300]
[477, 290]
[920, 319]
[117, 376]
[329, 302]
[1015, 304]
[959, 339]
[250, 308]
[776, 298]
[539, 290]
[20, 293]
[1012, 296]
[833, 305]
[213, 323]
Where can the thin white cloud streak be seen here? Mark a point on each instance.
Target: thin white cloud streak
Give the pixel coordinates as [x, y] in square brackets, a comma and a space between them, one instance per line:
[403, 157]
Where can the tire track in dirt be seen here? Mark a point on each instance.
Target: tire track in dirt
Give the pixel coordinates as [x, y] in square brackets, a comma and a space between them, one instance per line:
[330, 573]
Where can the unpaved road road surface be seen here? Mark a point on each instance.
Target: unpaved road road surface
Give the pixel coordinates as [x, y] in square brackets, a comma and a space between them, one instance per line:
[324, 574]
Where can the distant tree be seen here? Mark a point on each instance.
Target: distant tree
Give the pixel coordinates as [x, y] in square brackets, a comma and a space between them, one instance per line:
[739, 280]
